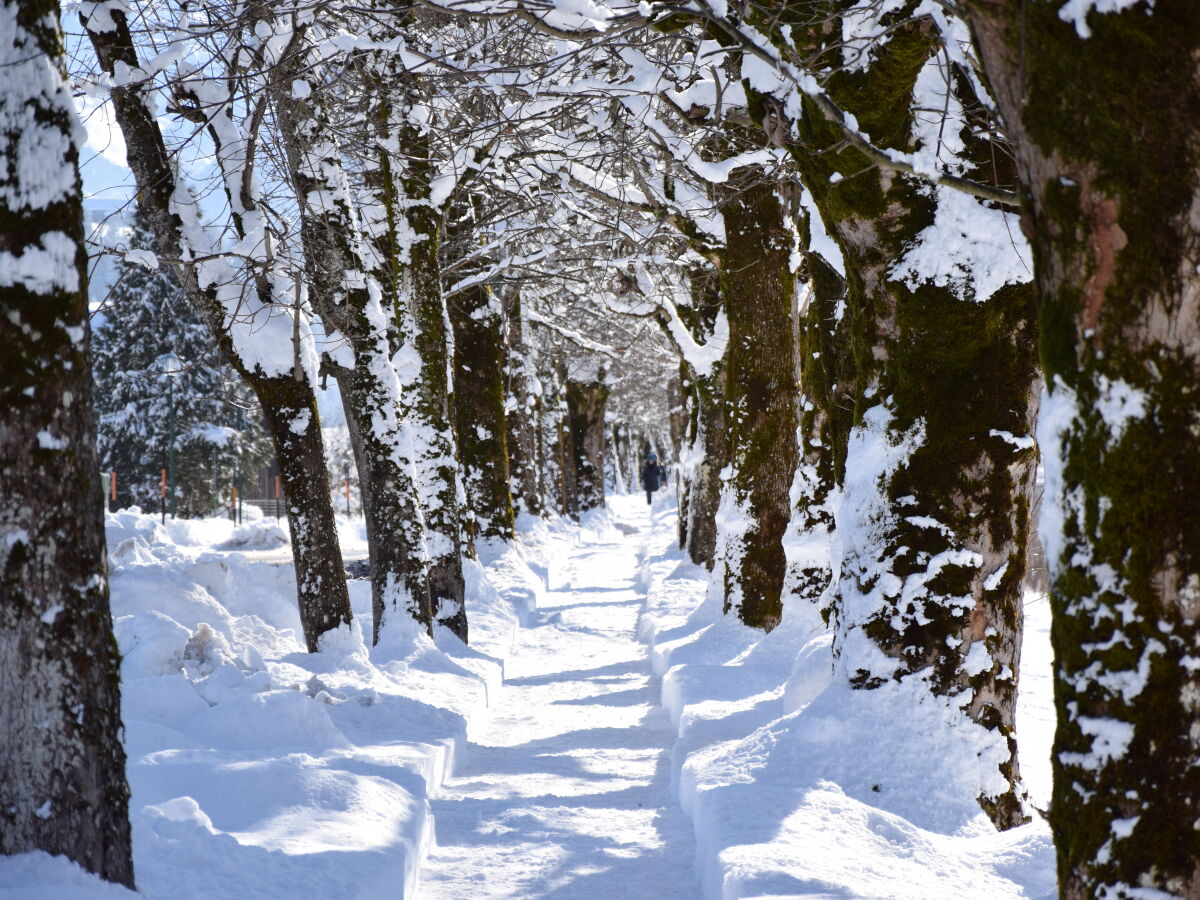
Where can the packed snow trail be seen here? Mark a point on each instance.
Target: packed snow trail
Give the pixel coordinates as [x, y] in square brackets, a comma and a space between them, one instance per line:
[564, 792]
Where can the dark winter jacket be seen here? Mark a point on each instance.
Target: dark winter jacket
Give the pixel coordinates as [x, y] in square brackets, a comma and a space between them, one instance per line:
[652, 476]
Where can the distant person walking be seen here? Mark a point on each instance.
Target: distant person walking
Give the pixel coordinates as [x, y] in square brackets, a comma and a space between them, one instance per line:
[652, 476]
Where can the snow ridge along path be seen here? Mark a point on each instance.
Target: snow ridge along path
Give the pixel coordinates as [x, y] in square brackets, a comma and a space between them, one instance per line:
[564, 789]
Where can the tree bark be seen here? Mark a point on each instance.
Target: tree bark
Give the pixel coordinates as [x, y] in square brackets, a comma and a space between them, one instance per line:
[704, 491]
[288, 400]
[424, 320]
[585, 421]
[760, 393]
[346, 291]
[1107, 137]
[523, 405]
[825, 420]
[709, 447]
[563, 461]
[479, 401]
[943, 381]
[63, 789]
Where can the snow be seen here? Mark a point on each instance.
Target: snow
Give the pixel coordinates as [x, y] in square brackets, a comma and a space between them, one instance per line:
[48, 441]
[42, 269]
[969, 248]
[608, 733]
[798, 786]
[142, 258]
[258, 770]
[1075, 12]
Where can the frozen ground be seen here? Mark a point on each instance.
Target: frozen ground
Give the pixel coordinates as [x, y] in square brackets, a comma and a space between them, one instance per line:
[607, 734]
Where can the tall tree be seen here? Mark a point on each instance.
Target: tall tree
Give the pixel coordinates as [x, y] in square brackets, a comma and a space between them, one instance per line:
[586, 401]
[346, 282]
[758, 295]
[479, 401]
[64, 789]
[1103, 109]
[932, 532]
[264, 340]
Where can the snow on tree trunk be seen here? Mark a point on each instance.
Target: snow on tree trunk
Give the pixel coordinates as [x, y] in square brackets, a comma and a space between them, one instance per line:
[707, 446]
[479, 401]
[349, 298]
[522, 402]
[1104, 113]
[63, 788]
[585, 422]
[938, 465]
[427, 379]
[562, 458]
[824, 427]
[709, 455]
[760, 388]
[239, 322]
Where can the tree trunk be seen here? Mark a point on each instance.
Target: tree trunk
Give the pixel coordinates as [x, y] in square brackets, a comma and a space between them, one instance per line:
[290, 409]
[704, 491]
[425, 323]
[63, 789]
[1107, 136]
[585, 419]
[346, 292]
[825, 423]
[479, 401]
[287, 397]
[564, 462]
[760, 390]
[523, 406]
[937, 463]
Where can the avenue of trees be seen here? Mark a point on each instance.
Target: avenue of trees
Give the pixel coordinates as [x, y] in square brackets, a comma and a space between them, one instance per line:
[842, 261]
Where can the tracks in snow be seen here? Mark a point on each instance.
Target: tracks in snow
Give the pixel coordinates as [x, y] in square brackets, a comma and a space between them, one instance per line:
[565, 791]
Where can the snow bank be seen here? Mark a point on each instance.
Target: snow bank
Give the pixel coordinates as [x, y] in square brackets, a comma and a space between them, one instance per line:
[797, 785]
[258, 770]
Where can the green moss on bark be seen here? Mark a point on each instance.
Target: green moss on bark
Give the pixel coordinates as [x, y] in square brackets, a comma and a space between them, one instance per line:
[1107, 136]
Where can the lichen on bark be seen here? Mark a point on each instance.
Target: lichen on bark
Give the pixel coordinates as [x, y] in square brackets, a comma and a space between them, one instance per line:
[1107, 134]
[760, 398]
[63, 788]
[944, 374]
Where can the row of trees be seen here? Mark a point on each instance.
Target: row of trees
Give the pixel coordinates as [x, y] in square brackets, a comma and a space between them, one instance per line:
[821, 209]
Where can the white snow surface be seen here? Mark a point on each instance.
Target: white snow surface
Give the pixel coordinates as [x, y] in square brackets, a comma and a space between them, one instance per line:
[608, 733]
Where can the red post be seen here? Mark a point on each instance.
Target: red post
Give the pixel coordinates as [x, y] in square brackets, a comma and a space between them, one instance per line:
[113, 479]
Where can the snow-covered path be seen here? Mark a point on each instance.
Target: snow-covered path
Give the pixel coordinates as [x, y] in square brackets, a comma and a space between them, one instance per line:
[565, 790]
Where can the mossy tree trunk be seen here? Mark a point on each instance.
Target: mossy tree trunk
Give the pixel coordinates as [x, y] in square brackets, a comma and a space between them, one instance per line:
[760, 399]
[287, 398]
[347, 293]
[479, 400]
[523, 410]
[586, 402]
[560, 456]
[825, 415]
[1107, 135]
[709, 447]
[944, 384]
[425, 359]
[63, 788]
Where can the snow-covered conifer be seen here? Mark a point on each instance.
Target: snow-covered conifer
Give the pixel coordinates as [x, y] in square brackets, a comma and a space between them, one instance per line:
[218, 429]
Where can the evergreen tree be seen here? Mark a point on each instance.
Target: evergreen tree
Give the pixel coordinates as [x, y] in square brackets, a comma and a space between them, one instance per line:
[218, 430]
